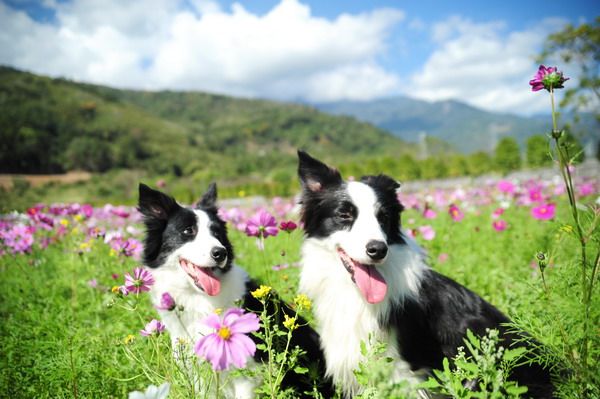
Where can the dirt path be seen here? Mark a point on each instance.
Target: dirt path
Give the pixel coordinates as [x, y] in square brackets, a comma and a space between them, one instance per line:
[6, 181]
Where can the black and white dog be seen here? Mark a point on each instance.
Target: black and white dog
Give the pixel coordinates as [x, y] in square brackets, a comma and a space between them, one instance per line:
[365, 276]
[192, 259]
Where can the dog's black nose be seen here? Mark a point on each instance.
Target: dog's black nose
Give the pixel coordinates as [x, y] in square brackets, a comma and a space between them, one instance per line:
[377, 249]
[218, 254]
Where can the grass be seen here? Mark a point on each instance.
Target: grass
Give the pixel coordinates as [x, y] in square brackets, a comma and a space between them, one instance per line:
[59, 338]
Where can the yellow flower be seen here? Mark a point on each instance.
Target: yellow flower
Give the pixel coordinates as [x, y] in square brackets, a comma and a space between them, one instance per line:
[113, 252]
[129, 339]
[84, 245]
[302, 302]
[261, 292]
[78, 218]
[241, 193]
[290, 322]
[218, 311]
[114, 289]
[75, 231]
[64, 222]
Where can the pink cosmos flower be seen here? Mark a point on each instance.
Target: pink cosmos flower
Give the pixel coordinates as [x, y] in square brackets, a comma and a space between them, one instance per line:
[128, 247]
[547, 78]
[262, 223]
[429, 213]
[166, 302]
[140, 280]
[505, 186]
[288, 226]
[229, 344]
[427, 232]
[443, 258]
[535, 195]
[499, 225]
[154, 327]
[497, 213]
[18, 239]
[456, 214]
[586, 189]
[544, 211]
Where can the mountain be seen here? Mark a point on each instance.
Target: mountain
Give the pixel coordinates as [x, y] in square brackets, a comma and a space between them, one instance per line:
[467, 128]
[55, 125]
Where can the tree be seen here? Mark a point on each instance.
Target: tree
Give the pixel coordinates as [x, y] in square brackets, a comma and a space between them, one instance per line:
[578, 45]
[508, 155]
[536, 151]
[479, 163]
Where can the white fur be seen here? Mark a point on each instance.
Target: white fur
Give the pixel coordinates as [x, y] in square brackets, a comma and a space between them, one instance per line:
[344, 316]
[184, 325]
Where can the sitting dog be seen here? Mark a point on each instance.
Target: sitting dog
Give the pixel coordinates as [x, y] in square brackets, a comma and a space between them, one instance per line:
[365, 276]
[192, 259]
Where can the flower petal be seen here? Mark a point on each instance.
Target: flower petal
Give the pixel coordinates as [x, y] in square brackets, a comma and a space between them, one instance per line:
[246, 323]
[213, 321]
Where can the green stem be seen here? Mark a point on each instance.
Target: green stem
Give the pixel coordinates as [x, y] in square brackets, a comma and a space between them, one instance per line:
[586, 292]
[285, 354]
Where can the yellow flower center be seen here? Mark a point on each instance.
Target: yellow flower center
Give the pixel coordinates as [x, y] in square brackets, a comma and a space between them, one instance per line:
[224, 333]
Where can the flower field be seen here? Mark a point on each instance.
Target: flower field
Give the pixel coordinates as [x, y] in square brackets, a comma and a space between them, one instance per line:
[77, 320]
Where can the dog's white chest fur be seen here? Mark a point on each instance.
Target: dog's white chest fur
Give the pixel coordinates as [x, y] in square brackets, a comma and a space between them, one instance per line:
[196, 306]
[345, 318]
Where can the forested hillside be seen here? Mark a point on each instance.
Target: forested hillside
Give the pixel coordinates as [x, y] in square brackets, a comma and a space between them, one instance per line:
[55, 125]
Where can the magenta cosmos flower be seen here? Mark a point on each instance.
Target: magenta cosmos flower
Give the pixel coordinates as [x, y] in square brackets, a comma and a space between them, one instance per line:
[547, 78]
[166, 302]
[456, 214]
[288, 226]
[229, 344]
[544, 211]
[505, 186]
[262, 223]
[140, 280]
[499, 225]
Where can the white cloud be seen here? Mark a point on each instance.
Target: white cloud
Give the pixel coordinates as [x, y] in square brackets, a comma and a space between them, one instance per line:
[483, 65]
[286, 54]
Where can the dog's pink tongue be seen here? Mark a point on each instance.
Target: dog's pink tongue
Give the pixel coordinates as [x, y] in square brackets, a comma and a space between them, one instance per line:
[209, 283]
[370, 281]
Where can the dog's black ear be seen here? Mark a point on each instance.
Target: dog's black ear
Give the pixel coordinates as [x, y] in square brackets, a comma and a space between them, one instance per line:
[209, 198]
[315, 175]
[152, 203]
[383, 182]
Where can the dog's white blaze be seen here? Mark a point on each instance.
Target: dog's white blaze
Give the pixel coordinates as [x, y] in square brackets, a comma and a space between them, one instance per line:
[198, 250]
[365, 228]
[344, 317]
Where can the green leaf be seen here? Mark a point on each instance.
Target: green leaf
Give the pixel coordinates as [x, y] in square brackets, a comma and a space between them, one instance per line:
[468, 366]
[430, 383]
[516, 390]
[514, 353]
[300, 370]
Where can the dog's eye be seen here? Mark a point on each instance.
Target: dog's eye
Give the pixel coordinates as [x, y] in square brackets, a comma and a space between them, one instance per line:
[383, 217]
[189, 231]
[346, 216]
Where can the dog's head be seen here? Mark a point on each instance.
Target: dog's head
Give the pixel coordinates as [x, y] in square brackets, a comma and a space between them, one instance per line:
[357, 220]
[190, 242]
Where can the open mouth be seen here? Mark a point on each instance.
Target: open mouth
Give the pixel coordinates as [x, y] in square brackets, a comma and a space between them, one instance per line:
[368, 279]
[203, 277]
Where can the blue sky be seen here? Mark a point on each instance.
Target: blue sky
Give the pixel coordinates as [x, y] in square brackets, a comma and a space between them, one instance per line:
[295, 50]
